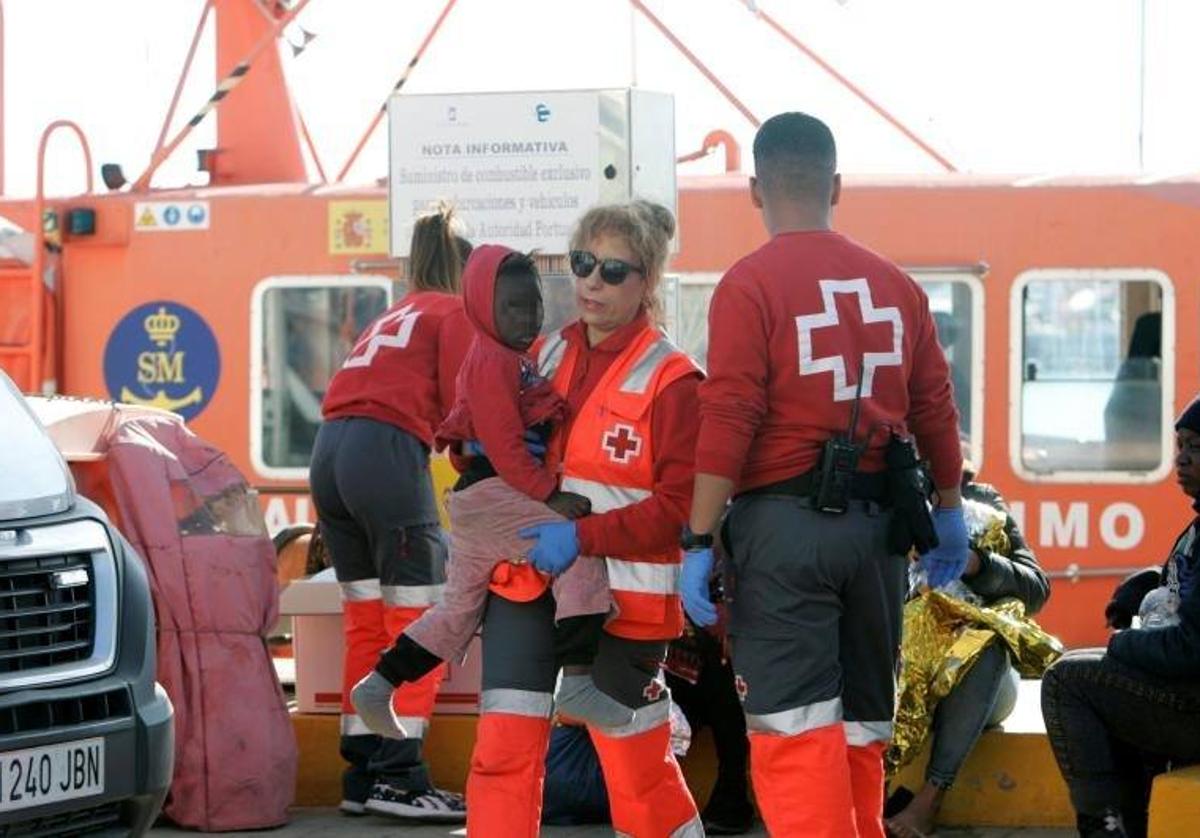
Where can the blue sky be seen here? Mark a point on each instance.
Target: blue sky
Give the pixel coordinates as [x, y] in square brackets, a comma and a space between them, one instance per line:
[1010, 86]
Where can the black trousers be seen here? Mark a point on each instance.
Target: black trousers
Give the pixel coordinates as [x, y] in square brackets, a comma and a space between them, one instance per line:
[712, 701]
[815, 614]
[1113, 728]
[374, 496]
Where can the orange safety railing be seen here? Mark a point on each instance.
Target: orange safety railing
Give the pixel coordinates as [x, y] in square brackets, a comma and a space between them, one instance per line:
[713, 140]
[36, 314]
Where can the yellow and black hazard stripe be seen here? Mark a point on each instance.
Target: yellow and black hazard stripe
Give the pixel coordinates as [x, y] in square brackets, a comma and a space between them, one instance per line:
[407, 72]
[235, 77]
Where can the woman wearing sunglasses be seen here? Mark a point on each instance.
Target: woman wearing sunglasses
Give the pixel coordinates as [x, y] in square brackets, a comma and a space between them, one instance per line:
[627, 445]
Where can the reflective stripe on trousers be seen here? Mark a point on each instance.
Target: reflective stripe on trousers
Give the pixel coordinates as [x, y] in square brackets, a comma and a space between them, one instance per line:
[361, 590]
[859, 734]
[798, 719]
[692, 829]
[644, 719]
[516, 702]
[353, 725]
[411, 596]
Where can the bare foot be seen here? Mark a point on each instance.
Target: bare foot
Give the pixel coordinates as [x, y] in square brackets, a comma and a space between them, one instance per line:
[896, 828]
[918, 818]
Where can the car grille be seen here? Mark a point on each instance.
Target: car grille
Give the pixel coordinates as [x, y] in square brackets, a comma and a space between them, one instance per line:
[36, 716]
[79, 822]
[58, 603]
[47, 612]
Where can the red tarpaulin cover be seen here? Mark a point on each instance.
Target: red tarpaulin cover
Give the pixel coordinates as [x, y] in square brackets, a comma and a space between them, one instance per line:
[191, 516]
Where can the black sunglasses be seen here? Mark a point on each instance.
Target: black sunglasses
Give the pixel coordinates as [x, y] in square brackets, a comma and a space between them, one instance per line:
[612, 271]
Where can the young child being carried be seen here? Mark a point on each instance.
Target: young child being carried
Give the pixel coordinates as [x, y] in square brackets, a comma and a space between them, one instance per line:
[503, 409]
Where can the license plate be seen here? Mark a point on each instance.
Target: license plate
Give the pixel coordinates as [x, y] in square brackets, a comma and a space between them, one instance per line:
[36, 776]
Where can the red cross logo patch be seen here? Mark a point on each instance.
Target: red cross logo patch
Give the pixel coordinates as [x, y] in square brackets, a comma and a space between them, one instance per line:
[653, 690]
[891, 356]
[622, 443]
[739, 684]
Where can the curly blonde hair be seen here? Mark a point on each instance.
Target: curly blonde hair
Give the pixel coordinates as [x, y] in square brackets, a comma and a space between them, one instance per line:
[646, 227]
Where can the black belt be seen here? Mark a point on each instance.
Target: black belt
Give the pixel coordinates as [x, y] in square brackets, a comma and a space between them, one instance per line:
[864, 485]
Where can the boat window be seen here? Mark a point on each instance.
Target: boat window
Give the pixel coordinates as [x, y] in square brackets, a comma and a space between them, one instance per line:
[1093, 383]
[954, 299]
[303, 327]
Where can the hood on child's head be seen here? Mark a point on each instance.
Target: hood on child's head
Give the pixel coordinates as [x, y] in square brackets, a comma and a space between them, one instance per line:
[479, 287]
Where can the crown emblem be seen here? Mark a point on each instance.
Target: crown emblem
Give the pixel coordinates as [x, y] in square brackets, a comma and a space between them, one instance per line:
[161, 326]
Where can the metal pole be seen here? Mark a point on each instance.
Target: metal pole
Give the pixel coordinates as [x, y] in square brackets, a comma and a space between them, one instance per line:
[1142, 86]
[696, 62]
[2, 100]
[632, 47]
[36, 384]
[224, 87]
[312, 149]
[849, 85]
[183, 74]
[437, 24]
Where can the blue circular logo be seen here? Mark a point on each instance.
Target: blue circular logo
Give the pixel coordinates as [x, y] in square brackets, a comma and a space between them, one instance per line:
[195, 214]
[171, 215]
[542, 112]
[163, 354]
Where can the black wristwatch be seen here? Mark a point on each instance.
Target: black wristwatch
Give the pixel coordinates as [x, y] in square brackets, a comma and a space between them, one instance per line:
[689, 540]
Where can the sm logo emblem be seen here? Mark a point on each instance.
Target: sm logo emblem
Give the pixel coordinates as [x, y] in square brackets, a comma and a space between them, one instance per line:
[163, 355]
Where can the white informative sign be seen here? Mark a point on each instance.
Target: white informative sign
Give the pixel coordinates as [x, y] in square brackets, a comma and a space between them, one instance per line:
[519, 167]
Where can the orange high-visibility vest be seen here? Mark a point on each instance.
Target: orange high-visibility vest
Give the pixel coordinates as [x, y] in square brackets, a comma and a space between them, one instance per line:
[609, 458]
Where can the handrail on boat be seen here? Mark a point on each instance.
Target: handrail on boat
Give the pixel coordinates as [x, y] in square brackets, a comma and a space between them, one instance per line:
[39, 245]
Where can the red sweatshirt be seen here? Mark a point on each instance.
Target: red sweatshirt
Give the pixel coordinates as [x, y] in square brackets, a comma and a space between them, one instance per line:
[788, 328]
[402, 368]
[500, 393]
[652, 524]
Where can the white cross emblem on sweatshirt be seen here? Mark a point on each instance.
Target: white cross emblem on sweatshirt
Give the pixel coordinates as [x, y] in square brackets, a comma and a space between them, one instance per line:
[806, 324]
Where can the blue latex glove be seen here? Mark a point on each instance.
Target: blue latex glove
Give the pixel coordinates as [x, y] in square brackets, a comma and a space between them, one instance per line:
[533, 444]
[693, 586]
[948, 560]
[557, 546]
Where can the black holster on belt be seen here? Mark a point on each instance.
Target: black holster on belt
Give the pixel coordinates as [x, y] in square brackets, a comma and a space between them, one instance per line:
[910, 489]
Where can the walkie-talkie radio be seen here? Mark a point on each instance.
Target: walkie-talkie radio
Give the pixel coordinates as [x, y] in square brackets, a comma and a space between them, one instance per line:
[839, 462]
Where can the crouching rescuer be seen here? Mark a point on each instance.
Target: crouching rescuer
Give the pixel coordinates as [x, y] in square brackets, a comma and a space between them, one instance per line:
[823, 359]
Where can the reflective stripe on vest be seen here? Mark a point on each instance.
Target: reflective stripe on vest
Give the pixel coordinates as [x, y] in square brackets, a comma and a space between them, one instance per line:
[516, 702]
[608, 457]
[550, 354]
[639, 376]
[643, 577]
[603, 496]
[797, 720]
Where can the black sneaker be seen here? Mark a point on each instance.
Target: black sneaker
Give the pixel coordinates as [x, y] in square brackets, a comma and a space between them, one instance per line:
[426, 805]
[1107, 825]
[356, 787]
[728, 815]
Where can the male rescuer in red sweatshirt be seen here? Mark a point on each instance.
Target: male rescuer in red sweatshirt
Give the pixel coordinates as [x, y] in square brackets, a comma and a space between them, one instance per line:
[800, 332]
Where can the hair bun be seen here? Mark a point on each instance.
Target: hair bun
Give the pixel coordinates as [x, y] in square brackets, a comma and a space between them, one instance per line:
[656, 215]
